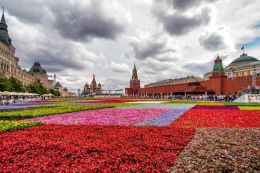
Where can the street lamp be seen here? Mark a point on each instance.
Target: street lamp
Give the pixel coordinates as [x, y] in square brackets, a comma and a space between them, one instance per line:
[254, 78]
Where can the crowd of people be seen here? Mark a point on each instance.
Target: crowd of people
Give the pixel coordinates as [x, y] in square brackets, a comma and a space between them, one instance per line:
[226, 98]
[8, 100]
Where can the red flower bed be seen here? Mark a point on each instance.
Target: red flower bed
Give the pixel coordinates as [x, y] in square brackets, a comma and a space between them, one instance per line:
[218, 118]
[92, 148]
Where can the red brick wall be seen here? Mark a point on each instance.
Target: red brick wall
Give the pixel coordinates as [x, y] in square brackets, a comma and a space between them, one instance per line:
[220, 85]
[163, 89]
[238, 84]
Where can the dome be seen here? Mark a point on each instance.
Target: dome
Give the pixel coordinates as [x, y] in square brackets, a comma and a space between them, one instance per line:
[244, 58]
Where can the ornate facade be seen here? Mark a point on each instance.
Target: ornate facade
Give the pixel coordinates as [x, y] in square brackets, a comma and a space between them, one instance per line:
[93, 88]
[9, 62]
[40, 75]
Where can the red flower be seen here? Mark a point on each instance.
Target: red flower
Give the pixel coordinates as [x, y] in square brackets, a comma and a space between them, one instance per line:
[219, 118]
[92, 148]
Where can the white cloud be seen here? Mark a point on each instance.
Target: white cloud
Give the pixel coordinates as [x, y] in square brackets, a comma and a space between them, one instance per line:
[120, 32]
[118, 67]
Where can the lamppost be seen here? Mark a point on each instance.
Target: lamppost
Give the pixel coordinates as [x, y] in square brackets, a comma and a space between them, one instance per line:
[254, 78]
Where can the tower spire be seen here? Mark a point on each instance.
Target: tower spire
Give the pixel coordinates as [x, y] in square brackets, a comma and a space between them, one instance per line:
[4, 37]
[134, 74]
[134, 66]
[3, 16]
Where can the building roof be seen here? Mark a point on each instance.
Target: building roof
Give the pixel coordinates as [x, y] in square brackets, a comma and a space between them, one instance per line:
[4, 37]
[244, 58]
[36, 68]
[57, 85]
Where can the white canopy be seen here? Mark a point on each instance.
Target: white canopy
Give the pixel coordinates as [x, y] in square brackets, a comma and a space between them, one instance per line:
[7, 93]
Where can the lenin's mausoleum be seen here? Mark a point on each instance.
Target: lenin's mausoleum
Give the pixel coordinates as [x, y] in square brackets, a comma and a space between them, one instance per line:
[240, 74]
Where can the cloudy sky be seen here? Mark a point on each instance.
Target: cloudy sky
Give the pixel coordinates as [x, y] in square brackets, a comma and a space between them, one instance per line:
[166, 38]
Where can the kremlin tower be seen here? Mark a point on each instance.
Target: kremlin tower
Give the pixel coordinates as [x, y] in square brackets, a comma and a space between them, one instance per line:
[218, 70]
[134, 83]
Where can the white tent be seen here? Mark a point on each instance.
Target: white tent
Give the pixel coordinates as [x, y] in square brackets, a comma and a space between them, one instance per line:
[7, 93]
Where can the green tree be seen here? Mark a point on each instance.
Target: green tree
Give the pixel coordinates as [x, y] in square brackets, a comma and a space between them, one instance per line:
[5, 84]
[37, 88]
[55, 92]
[16, 85]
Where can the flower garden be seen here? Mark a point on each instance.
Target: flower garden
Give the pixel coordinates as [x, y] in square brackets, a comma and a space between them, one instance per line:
[129, 135]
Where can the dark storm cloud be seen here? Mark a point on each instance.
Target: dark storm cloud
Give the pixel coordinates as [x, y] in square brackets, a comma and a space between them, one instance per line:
[155, 47]
[148, 49]
[26, 10]
[151, 66]
[53, 61]
[179, 24]
[184, 4]
[71, 19]
[115, 83]
[84, 23]
[54, 54]
[212, 42]
[199, 68]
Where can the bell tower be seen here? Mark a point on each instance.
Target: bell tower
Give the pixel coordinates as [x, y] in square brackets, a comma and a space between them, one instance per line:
[218, 77]
[135, 82]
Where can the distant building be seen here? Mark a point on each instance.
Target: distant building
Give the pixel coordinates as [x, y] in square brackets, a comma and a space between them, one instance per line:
[93, 88]
[40, 75]
[240, 74]
[63, 91]
[9, 62]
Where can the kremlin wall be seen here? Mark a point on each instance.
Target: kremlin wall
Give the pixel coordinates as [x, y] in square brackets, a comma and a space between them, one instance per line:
[242, 73]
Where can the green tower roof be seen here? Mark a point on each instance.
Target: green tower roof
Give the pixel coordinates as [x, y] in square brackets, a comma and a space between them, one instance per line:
[218, 65]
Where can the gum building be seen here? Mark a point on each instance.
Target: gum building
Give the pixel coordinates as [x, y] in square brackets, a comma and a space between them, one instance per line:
[9, 62]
